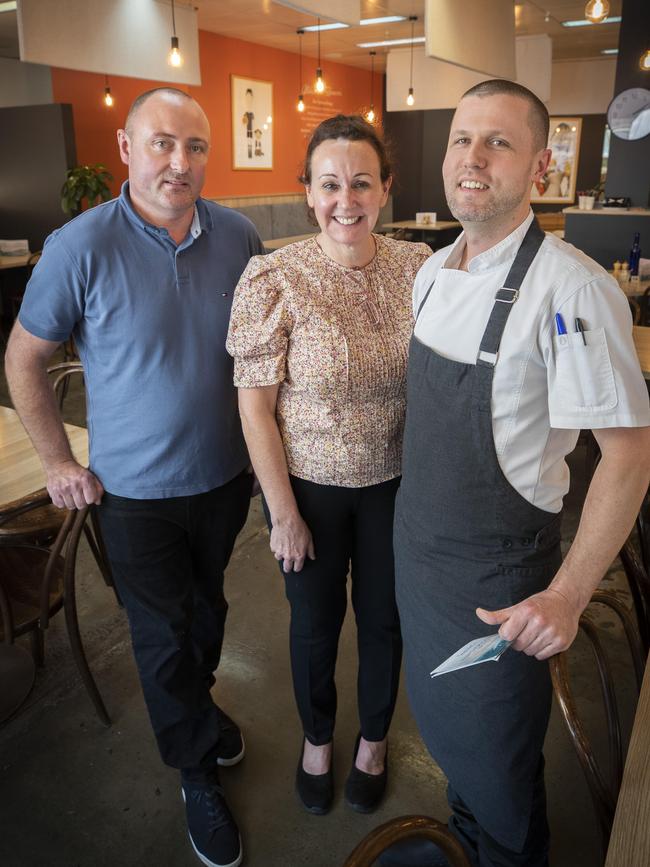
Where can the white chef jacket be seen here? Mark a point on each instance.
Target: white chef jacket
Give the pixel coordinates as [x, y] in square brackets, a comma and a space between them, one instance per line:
[546, 388]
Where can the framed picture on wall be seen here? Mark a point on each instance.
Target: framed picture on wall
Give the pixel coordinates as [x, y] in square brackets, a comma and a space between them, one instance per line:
[252, 123]
[559, 182]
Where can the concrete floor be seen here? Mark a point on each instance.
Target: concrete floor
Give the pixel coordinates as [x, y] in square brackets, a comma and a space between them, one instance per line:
[75, 794]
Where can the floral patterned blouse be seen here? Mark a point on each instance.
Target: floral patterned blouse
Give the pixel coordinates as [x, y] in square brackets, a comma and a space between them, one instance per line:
[336, 340]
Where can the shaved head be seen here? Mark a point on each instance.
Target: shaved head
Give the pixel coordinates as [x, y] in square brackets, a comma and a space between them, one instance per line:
[172, 92]
[537, 111]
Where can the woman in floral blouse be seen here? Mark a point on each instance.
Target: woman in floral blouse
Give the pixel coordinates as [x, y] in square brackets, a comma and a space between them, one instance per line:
[319, 333]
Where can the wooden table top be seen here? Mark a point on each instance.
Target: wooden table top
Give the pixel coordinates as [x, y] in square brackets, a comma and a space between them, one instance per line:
[629, 845]
[276, 243]
[438, 226]
[21, 472]
[641, 337]
[14, 261]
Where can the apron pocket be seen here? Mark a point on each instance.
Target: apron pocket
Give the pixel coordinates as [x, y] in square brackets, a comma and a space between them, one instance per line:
[524, 581]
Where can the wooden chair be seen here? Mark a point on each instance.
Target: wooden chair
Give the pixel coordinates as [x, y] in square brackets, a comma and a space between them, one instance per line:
[639, 581]
[603, 785]
[635, 310]
[371, 847]
[36, 582]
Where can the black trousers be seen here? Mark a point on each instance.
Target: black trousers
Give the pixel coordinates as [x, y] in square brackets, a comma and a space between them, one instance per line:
[168, 559]
[349, 526]
[484, 851]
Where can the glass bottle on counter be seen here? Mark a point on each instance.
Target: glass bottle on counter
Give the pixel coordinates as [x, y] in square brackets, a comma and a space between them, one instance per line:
[635, 255]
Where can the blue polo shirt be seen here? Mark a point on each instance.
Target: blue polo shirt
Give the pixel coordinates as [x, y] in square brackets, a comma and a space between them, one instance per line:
[149, 319]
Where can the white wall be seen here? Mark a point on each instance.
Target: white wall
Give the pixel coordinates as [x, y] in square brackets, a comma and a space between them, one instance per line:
[582, 86]
[24, 83]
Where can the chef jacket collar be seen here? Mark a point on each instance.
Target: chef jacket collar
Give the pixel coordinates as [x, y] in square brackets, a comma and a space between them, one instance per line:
[502, 252]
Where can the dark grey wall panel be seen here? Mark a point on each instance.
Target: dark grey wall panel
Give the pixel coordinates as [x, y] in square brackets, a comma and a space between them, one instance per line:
[607, 237]
[628, 173]
[404, 135]
[36, 149]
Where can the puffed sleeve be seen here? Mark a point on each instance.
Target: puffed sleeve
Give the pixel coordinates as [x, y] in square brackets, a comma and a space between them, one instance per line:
[260, 325]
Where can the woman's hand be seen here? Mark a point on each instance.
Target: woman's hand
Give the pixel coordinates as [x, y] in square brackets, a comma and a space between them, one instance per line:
[291, 542]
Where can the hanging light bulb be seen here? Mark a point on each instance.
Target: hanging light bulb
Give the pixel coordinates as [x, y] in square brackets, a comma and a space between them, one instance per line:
[319, 87]
[174, 58]
[410, 99]
[370, 114]
[108, 97]
[644, 61]
[301, 103]
[597, 10]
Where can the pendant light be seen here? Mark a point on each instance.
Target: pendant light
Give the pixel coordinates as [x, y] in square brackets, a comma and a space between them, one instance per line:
[301, 103]
[370, 114]
[644, 61]
[319, 87]
[410, 99]
[175, 58]
[597, 10]
[108, 97]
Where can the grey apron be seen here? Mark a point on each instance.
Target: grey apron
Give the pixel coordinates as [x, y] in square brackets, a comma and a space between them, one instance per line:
[464, 538]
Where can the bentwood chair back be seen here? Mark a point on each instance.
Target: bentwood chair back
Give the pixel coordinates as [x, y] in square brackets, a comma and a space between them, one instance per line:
[638, 579]
[371, 847]
[604, 784]
[36, 582]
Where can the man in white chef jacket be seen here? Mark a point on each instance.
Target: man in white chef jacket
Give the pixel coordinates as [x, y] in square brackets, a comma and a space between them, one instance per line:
[520, 342]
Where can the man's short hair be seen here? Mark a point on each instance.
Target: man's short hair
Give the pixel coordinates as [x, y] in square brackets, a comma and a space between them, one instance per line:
[537, 111]
[140, 101]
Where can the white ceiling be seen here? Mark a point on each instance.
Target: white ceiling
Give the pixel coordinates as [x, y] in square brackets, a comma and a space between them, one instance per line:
[269, 23]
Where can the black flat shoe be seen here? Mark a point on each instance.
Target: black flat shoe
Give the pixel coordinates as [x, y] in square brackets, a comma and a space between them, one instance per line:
[363, 792]
[316, 791]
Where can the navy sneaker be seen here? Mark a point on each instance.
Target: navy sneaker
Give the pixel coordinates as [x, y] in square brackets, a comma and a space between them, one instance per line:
[230, 746]
[214, 834]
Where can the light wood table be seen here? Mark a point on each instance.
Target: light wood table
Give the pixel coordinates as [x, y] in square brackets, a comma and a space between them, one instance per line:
[414, 226]
[629, 845]
[21, 472]
[14, 261]
[276, 243]
[641, 337]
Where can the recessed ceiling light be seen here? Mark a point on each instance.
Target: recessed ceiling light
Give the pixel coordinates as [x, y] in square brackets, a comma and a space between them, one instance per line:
[8, 6]
[387, 19]
[609, 51]
[336, 25]
[390, 42]
[582, 22]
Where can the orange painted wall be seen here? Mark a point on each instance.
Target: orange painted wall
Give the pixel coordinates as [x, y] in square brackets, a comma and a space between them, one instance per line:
[95, 124]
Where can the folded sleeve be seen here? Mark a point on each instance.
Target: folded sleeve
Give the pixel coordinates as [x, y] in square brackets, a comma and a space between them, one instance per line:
[595, 382]
[260, 325]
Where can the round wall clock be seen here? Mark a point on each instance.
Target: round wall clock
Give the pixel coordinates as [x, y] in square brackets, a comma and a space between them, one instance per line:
[628, 114]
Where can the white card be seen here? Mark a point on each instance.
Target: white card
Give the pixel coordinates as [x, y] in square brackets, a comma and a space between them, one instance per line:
[489, 649]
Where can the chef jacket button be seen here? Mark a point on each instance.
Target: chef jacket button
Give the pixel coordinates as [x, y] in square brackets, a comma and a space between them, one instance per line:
[507, 543]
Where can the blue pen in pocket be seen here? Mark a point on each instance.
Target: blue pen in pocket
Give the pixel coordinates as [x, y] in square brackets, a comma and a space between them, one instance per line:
[559, 324]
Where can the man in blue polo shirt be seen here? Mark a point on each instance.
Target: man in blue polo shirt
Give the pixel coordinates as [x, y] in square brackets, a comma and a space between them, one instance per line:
[144, 283]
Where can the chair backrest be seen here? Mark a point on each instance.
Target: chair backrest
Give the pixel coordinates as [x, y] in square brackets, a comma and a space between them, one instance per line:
[639, 582]
[369, 849]
[603, 785]
[60, 376]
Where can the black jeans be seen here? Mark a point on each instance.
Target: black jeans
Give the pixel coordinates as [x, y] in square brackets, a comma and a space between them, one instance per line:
[168, 558]
[348, 526]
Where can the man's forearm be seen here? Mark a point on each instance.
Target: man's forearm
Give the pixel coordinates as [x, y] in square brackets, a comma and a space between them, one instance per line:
[35, 402]
[611, 506]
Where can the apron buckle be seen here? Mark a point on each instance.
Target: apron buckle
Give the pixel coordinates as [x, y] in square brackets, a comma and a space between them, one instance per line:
[508, 299]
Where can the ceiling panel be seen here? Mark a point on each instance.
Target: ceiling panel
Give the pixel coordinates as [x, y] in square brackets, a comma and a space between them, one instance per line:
[269, 23]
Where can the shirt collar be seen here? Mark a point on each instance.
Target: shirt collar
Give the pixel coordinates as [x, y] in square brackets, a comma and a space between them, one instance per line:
[201, 220]
[502, 252]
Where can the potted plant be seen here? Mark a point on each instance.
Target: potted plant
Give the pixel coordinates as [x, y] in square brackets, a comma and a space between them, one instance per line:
[85, 182]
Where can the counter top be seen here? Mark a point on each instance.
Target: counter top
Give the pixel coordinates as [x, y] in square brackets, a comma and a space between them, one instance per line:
[609, 212]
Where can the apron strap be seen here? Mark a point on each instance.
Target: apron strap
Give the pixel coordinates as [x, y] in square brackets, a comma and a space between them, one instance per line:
[506, 297]
[424, 300]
